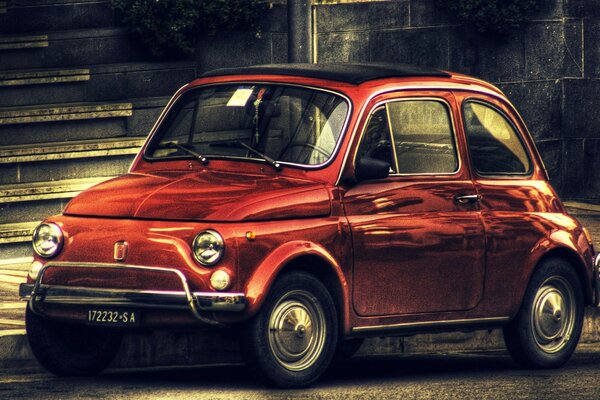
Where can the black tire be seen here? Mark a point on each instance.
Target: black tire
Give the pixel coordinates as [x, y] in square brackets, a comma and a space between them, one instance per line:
[346, 349]
[547, 328]
[289, 356]
[70, 350]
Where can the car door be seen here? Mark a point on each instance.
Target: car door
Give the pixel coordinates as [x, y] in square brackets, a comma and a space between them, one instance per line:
[417, 235]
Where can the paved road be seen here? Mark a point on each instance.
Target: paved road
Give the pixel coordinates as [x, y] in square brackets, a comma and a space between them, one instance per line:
[475, 376]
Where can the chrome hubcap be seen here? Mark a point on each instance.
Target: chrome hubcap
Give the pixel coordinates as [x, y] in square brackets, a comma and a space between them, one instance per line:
[297, 330]
[553, 315]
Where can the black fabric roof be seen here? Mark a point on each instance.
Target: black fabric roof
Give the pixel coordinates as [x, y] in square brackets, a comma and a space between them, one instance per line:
[349, 73]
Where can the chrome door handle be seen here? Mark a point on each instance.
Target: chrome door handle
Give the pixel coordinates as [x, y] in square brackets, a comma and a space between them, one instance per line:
[467, 198]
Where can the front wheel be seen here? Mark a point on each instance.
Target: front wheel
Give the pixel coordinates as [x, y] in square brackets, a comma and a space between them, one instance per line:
[70, 350]
[291, 342]
[546, 330]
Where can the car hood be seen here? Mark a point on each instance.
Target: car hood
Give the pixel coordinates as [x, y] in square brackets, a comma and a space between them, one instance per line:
[203, 196]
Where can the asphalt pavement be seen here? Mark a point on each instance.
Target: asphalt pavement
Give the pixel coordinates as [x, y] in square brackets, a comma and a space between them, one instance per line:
[440, 376]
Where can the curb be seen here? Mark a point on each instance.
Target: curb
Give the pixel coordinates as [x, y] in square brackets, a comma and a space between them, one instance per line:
[582, 206]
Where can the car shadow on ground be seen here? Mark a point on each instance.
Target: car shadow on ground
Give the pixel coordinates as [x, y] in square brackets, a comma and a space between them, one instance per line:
[355, 371]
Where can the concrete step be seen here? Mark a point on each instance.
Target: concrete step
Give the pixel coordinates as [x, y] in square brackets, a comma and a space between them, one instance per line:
[70, 47]
[78, 121]
[17, 233]
[18, 16]
[36, 191]
[32, 203]
[38, 200]
[93, 84]
[69, 150]
[64, 112]
[67, 160]
[21, 42]
[15, 264]
[15, 240]
[24, 78]
[16, 212]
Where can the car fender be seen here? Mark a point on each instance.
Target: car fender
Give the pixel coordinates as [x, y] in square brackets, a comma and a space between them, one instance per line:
[561, 244]
[261, 281]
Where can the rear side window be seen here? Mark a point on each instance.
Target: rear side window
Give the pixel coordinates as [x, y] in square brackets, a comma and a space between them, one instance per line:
[494, 143]
[423, 137]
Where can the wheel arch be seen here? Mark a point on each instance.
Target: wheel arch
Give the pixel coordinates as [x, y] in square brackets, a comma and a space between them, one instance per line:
[320, 268]
[570, 256]
[301, 256]
[575, 260]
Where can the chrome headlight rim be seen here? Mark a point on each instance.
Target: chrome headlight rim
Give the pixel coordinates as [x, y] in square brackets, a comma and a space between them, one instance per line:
[218, 246]
[56, 234]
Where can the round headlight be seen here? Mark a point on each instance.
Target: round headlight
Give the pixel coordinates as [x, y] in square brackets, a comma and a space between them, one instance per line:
[47, 240]
[208, 247]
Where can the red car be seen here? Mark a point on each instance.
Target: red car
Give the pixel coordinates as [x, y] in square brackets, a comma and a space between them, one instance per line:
[309, 206]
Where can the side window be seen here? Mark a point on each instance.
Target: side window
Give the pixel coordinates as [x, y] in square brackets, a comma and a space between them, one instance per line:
[376, 142]
[493, 142]
[423, 137]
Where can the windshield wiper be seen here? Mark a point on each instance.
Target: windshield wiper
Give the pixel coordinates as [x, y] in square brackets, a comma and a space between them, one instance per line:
[199, 156]
[274, 163]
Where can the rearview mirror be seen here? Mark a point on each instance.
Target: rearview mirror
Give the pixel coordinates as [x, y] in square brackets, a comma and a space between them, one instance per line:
[371, 168]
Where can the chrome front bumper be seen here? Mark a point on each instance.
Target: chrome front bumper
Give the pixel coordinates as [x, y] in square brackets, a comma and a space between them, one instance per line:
[196, 302]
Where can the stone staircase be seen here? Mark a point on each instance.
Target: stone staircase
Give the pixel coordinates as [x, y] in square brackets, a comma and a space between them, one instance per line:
[78, 95]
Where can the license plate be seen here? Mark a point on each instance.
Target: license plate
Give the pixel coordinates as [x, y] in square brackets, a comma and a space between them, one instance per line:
[108, 317]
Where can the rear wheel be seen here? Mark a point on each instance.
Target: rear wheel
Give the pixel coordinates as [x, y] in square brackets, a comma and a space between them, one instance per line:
[546, 330]
[291, 342]
[70, 350]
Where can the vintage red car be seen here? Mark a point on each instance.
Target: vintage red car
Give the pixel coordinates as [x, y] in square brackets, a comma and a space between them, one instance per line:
[307, 207]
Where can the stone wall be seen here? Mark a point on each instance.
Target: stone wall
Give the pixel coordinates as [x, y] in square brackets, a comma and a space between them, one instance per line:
[550, 69]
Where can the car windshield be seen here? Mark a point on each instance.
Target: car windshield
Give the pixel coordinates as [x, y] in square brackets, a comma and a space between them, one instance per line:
[271, 122]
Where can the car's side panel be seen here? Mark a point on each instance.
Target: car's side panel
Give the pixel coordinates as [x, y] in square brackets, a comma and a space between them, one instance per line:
[522, 226]
[523, 218]
[416, 249]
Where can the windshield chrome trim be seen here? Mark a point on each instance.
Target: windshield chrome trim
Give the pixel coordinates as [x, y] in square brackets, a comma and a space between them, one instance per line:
[333, 155]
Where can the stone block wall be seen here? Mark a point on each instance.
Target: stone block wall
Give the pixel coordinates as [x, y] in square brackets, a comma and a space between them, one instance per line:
[550, 69]
[544, 68]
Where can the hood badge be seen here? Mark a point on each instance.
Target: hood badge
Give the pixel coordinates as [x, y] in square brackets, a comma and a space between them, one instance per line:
[120, 250]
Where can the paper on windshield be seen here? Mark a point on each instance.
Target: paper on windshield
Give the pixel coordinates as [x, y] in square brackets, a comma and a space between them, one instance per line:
[239, 98]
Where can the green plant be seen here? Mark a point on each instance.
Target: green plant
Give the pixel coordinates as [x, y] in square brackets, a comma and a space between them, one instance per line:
[231, 15]
[494, 16]
[172, 27]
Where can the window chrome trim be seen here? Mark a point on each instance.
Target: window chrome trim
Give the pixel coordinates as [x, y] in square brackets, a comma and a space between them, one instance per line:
[438, 87]
[174, 101]
[452, 124]
[518, 133]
